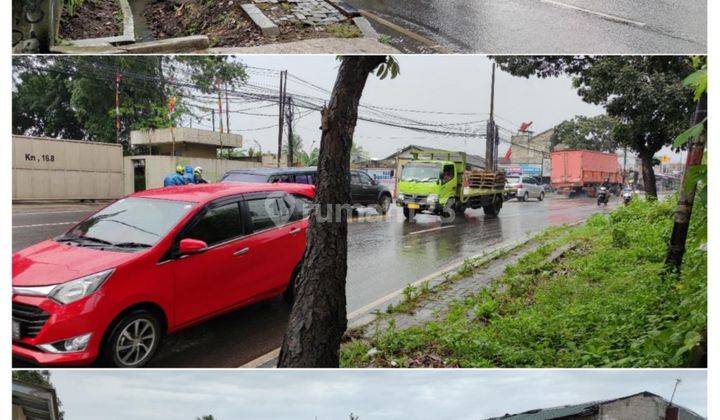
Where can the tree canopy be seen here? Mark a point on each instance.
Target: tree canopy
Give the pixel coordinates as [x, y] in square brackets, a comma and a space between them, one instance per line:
[588, 133]
[645, 94]
[74, 97]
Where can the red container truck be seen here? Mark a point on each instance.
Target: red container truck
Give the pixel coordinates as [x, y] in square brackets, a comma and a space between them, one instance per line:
[575, 170]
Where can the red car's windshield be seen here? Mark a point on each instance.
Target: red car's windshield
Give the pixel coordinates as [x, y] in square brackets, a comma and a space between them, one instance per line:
[132, 222]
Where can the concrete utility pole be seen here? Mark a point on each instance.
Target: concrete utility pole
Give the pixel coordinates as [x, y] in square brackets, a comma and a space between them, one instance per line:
[117, 105]
[281, 113]
[213, 118]
[491, 133]
[227, 110]
[624, 164]
[291, 146]
[220, 113]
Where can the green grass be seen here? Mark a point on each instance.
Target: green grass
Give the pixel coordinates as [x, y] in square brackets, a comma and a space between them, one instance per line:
[71, 6]
[604, 304]
[384, 39]
[344, 30]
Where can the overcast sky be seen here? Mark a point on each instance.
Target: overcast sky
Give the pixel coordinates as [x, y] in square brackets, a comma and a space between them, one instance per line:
[371, 394]
[456, 84]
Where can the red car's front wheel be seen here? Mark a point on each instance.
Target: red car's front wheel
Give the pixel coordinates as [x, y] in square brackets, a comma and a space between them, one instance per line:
[133, 340]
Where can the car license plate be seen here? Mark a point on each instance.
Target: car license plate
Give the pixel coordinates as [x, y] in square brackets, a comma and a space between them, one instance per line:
[15, 330]
[413, 206]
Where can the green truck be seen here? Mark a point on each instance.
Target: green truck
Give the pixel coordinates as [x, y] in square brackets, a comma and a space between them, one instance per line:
[441, 183]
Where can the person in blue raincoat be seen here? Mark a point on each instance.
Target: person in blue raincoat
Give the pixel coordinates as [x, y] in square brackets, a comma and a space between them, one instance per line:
[189, 175]
[176, 178]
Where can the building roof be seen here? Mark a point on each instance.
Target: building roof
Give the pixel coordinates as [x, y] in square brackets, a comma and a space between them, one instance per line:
[583, 409]
[37, 402]
[472, 160]
[273, 171]
[200, 193]
[185, 135]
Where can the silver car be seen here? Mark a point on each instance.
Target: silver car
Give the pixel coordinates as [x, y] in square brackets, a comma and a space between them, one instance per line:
[527, 187]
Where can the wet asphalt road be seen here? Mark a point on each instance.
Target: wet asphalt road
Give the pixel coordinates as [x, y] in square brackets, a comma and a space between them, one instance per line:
[550, 26]
[385, 254]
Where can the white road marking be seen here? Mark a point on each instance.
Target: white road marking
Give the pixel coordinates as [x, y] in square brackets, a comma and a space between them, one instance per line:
[262, 359]
[431, 229]
[53, 212]
[596, 13]
[44, 224]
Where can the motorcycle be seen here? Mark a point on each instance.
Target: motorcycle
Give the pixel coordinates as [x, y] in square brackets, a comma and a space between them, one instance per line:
[627, 196]
[603, 196]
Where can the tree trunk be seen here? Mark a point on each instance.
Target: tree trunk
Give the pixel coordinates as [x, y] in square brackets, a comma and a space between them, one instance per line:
[649, 182]
[318, 318]
[683, 209]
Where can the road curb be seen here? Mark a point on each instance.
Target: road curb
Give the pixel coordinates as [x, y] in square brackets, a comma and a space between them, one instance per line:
[366, 314]
[407, 32]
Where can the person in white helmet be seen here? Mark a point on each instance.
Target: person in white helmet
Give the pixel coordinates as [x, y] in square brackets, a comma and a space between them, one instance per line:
[198, 175]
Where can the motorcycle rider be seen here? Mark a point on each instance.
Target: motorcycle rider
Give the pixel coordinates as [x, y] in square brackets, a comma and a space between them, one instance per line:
[606, 183]
[199, 175]
[176, 178]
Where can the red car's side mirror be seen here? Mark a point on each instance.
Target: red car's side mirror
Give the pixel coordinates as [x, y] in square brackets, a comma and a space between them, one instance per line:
[191, 246]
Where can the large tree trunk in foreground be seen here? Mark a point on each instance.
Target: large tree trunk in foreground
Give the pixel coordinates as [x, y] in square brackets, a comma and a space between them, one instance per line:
[318, 318]
[649, 182]
[683, 209]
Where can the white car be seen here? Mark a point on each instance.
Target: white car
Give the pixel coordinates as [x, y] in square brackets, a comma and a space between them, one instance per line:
[527, 187]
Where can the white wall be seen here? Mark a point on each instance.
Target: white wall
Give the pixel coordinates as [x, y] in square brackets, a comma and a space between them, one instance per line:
[158, 167]
[51, 169]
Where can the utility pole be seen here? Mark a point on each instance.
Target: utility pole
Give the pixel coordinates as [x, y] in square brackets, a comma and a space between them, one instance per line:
[683, 210]
[624, 163]
[220, 113]
[213, 118]
[227, 110]
[281, 113]
[117, 105]
[291, 146]
[259, 148]
[491, 133]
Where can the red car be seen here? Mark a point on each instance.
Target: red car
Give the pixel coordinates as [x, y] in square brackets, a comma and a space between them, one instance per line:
[152, 263]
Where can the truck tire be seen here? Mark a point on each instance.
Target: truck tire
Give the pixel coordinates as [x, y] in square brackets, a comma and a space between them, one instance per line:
[493, 209]
[451, 204]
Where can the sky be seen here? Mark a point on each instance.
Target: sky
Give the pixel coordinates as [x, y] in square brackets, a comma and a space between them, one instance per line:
[371, 394]
[456, 84]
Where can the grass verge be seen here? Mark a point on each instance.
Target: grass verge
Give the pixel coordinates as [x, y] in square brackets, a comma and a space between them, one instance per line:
[603, 304]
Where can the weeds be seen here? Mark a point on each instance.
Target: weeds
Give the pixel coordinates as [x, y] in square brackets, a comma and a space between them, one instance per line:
[384, 39]
[71, 6]
[603, 303]
[344, 30]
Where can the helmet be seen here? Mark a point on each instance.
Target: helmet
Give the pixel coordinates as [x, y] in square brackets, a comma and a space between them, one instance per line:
[180, 169]
[198, 170]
